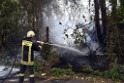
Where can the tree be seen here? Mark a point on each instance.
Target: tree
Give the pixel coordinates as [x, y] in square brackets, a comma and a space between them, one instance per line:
[100, 27]
[112, 35]
[104, 17]
[97, 21]
[10, 14]
[33, 14]
[121, 11]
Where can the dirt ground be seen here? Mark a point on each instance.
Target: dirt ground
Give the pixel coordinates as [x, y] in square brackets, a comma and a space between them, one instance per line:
[65, 80]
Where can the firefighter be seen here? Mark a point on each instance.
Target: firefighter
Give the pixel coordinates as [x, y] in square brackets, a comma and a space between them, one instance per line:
[27, 56]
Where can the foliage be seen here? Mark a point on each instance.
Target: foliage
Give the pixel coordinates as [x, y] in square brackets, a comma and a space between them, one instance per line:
[51, 58]
[114, 35]
[15, 17]
[78, 34]
[87, 68]
[37, 66]
[5, 62]
[48, 55]
[58, 72]
[96, 73]
[10, 14]
[121, 29]
[121, 11]
[113, 74]
[80, 37]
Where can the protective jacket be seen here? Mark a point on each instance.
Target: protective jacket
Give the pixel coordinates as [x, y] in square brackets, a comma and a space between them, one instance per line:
[27, 52]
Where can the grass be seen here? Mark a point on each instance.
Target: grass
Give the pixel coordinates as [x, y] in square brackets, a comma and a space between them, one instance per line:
[59, 72]
[114, 75]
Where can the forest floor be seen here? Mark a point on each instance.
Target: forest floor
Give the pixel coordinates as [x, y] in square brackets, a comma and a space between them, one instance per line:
[65, 80]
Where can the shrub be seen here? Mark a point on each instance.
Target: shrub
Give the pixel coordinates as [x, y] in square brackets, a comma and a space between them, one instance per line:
[87, 68]
[37, 67]
[96, 73]
[114, 75]
[58, 72]
[50, 56]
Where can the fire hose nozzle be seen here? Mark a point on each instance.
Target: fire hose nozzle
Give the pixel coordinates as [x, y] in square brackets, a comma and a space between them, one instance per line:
[41, 42]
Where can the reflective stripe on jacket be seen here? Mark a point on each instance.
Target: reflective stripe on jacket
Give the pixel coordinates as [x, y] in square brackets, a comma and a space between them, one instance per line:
[26, 57]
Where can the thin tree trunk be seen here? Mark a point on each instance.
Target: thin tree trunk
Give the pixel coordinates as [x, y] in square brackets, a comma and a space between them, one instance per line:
[104, 17]
[36, 5]
[114, 10]
[97, 21]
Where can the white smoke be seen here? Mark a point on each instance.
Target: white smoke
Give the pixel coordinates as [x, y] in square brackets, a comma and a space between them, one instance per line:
[62, 14]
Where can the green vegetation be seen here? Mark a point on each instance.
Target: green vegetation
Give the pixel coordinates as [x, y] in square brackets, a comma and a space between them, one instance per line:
[59, 72]
[50, 56]
[114, 74]
[10, 18]
[110, 74]
[79, 35]
[87, 69]
[5, 62]
[37, 66]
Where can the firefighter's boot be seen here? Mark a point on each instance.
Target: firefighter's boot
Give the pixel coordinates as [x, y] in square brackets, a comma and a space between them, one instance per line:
[21, 79]
[31, 79]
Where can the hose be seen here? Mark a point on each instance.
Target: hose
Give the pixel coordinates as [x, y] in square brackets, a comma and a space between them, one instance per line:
[2, 80]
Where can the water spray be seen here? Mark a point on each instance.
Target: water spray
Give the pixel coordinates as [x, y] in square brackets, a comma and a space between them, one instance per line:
[63, 46]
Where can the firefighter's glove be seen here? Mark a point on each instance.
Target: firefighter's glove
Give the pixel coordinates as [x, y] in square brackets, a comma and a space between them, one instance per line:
[41, 42]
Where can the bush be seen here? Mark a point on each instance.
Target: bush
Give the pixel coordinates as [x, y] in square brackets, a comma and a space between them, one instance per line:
[114, 75]
[58, 72]
[96, 73]
[48, 55]
[37, 67]
[53, 57]
[87, 68]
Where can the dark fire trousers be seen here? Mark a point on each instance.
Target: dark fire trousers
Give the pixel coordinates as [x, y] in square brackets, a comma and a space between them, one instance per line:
[22, 73]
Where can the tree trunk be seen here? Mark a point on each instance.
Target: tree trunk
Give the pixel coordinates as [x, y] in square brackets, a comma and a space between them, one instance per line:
[97, 21]
[36, 6]
[104, 17]
[114, 10]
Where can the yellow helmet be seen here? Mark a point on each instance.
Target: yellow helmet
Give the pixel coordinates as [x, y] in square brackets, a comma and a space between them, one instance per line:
[30, 34]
